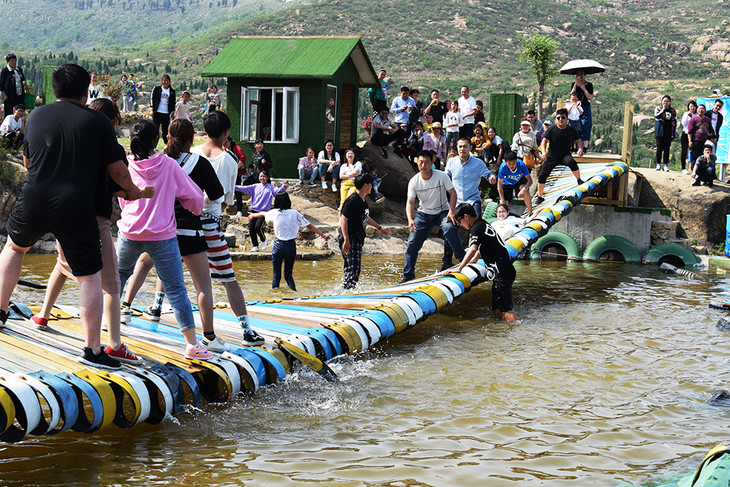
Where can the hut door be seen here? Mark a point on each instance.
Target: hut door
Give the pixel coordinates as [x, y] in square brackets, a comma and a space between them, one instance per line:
[346, 116]
[330, 113]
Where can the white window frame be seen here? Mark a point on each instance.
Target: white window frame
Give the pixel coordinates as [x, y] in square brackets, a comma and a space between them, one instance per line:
[286, 91]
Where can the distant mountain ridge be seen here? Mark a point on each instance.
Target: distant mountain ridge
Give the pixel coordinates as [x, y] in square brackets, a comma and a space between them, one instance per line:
[77, 25]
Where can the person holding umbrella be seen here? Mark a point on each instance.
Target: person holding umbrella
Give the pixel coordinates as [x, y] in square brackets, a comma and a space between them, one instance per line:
[584, 90]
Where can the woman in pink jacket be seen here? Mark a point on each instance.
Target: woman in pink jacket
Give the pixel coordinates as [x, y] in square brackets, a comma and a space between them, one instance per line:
[149, 225]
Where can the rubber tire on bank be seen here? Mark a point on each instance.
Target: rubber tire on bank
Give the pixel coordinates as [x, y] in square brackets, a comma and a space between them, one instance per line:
[656, 253]
[572, 249]
[612, 242]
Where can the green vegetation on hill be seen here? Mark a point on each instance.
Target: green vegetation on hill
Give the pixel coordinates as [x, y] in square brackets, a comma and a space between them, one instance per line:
[85, 24]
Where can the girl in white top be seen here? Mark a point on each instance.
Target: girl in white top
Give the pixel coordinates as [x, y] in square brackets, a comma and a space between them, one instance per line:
[182, 108]
[348, 172]
[452, 122]
[507, 223]
[686, 153]
[329, 162]
[286, 228]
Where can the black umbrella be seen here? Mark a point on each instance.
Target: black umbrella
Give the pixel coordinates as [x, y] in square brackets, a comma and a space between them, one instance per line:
[588, 66]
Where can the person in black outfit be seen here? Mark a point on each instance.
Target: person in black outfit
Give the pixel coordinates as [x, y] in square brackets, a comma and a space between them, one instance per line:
[484, 241]
[260, 162]
[162, 102]
[437, 109]
[561, 137]
[66, 147]
[12, 84]
[354, 217]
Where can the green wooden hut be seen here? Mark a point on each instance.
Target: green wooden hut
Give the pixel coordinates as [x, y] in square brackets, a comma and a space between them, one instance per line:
[293, 92]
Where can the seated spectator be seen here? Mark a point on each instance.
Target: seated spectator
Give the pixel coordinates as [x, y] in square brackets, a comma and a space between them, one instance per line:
[480, 143]
[524, 143]
[308, 167]
[374, 194]
[506, 223]
[414, 144]
[384, 131]
[402, 107]
[514, 177]
[13, 128]
[493, 157]
[329, 165]
[436, 143]
[704, 167]
[349, 170]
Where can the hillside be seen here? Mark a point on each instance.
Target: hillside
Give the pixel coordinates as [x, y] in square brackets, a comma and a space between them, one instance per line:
[55, 25]
[649, 47]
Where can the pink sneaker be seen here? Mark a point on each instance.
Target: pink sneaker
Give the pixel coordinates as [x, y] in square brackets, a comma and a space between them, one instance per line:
[197, 351]
[123, 355]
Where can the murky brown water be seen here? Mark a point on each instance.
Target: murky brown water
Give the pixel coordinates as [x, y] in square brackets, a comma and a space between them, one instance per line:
[602, 383]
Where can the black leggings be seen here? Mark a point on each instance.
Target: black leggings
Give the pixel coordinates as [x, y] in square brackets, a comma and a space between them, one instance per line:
[662, 150]
[685, 151]
[256, 230]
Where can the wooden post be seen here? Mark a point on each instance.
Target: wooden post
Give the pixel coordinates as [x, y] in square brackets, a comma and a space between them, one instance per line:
[623, 181]
[628, 133]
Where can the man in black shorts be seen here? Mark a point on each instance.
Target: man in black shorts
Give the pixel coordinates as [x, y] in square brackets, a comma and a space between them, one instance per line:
[485, 241]
[561, 137]
[66, 145]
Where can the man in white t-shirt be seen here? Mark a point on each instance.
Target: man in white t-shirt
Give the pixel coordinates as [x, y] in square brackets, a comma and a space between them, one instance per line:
[467, 108]
[436, 201]
[13, 128]
[95, 89]
[217, 126]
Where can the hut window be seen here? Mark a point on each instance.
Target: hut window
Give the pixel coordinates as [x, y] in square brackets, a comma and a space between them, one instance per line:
[270, 113]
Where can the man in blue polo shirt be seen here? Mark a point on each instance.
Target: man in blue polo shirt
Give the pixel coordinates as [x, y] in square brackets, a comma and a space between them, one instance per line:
[402, 107]
[466, 172]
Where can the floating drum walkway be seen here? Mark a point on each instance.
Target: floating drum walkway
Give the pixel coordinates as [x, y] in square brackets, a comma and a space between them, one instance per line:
[44, 390]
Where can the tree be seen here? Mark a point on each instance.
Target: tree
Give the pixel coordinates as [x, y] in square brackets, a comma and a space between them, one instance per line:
[539, 52]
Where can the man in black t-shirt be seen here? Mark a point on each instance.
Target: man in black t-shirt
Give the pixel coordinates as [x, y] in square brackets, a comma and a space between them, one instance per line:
[437, 109]
[561, 137]
[484, 241]
[66, 146]
[354, 217]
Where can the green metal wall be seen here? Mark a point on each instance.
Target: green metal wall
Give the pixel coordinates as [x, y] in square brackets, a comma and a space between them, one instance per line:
[505, 112]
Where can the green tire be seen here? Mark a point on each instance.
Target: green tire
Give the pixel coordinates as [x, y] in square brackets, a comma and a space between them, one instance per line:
[671, 252]
[612, 243]
[572, 249]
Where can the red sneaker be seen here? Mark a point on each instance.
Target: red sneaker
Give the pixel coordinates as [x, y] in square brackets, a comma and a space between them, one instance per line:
[123, 355]
[40, 323]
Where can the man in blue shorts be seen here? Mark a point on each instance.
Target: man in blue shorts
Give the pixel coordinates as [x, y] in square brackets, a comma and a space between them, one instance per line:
[66, 146]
